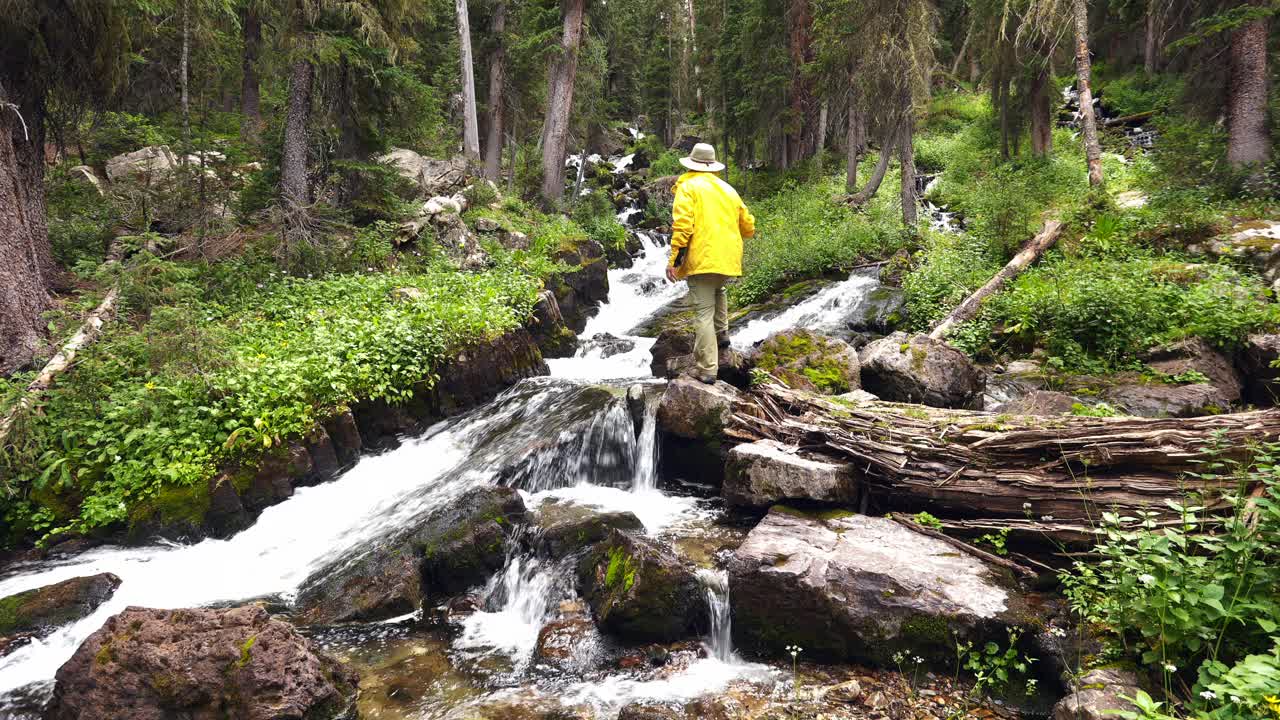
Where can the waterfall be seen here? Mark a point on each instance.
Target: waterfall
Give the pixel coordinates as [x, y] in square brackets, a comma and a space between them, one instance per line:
[829, 310]
[647, 450]
[517, 603]
[719, 644]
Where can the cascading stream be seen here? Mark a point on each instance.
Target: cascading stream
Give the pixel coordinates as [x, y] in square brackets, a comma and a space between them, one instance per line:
[720, 638]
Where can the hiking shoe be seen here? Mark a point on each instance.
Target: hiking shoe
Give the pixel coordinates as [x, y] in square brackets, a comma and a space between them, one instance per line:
[708, 379]
[722, 341]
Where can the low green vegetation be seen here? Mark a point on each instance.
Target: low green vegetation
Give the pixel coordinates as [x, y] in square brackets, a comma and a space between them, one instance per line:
[216, 364]
[1196, 601]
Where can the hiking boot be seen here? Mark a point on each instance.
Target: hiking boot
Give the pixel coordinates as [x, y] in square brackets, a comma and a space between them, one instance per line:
[722, 341]
[708, 379]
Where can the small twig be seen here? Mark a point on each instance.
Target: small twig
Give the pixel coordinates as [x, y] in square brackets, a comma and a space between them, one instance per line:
[17, 111]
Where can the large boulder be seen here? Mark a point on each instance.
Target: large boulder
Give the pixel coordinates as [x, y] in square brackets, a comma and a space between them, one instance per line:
[1261, 377]
[1100, 695]
[695, 410]
[460, 245]
[809, 361]
[564, 527]
[585, 286]
[1155, 400]
[674, 341]
[639, 590]
[764, 473]
[201, 664]
[662, 190]
[448, 550]
[549, 329]
[144, 166]
[918, 369]
[1040, 402]
[850, 587]
[1195, 355]
[433, 177]
[36, 613]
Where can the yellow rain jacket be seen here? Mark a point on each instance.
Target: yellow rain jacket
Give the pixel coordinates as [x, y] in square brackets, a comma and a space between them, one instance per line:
[710, 220]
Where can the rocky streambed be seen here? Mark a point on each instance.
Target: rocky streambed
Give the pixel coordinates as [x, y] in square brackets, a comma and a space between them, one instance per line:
[592, 542]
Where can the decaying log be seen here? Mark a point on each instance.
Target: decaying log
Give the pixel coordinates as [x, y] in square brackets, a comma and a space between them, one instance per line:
[1030, 252]
[1048, 476]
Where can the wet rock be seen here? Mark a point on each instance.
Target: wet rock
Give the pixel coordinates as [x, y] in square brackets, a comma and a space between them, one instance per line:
[672, 342]
[144, 166]
[610, 345]
[549, 330]
[565, 527]
[570, 643]
[433, 177]
[36, 613]
[761, 474]
[694, 410]
[1100, 696]
[918, 369]
[325, 464]
[201, 664]
[1195, 355]
[1262, 380]
[581, 290]
[1041, 402]
[272, 481]
[808, 361]
[637, 401]
[850, 587]
[345, 435]
[446, 551]
[662, 190]
[1156, 400]
[639, 590]
[879, 310]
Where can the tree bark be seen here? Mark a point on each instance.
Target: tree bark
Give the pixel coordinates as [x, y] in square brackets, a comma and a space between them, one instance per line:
[1041, 115]
[887, 146]
[907, 158]
[1053, 475]
[470, 124]
[964, 48]
[183, 71]
[555, 129]
[855, 142]
[822, 127]
[293, 165]
[1150, 48]
[497, 86]
[801, 134]
[24, 292]
[1084, 75]
[1248, 144]
[1030, 252]
[250, 95]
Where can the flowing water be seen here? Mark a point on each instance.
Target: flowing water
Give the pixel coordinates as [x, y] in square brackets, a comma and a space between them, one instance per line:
[564, 437]
[827, 311]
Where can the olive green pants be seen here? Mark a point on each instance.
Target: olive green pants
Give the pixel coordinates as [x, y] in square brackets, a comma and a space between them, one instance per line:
[711, 319]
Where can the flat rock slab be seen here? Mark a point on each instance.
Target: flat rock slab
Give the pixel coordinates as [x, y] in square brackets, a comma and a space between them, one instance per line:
[850, 587]
[761, 474]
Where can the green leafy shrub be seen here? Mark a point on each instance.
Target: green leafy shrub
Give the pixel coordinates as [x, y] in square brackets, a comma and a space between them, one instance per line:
[80, 220]
[1136, 93]
[1196, 601]
[122, 132]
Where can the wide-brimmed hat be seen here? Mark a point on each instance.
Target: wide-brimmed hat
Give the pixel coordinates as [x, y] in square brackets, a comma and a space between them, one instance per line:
[702, 159]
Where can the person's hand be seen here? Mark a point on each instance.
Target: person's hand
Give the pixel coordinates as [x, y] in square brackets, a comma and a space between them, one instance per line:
[671, 274]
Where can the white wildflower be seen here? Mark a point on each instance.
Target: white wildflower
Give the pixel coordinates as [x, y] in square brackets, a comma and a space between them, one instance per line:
[1147, 579]
[1026, 506]
[1208, 694]
[1170, 668]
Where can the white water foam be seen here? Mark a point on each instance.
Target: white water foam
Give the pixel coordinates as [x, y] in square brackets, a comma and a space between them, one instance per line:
[828, 310]
[518, 602]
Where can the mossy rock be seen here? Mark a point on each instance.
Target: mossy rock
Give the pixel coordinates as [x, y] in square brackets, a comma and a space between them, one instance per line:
[639, 591]
[38, 612]
[809, 361]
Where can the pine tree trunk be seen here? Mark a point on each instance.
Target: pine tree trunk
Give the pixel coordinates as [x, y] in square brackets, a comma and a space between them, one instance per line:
[964, 48]
[882, 167]
[1150, 48]
[497, 86]
[250, 96]
[855, 142]
[1001, 88]
[470, 125]
[293, 164]
[1248, 144]
[801, 135]
[1084, 75]
[907, 158]
[1041, 115]
[24, 294]
[821, 143]
[184, 71]
[555, 130]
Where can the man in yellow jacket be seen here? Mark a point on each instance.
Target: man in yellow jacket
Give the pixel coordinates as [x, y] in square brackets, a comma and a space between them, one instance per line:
[709, 221]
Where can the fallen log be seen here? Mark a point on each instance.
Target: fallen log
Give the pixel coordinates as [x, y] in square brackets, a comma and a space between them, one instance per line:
[1047, 476]
[1130, 119]
[1030, 253]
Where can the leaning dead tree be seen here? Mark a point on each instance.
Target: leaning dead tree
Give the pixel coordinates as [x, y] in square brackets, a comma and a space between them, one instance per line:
[1030, 253]
[1048, 475]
